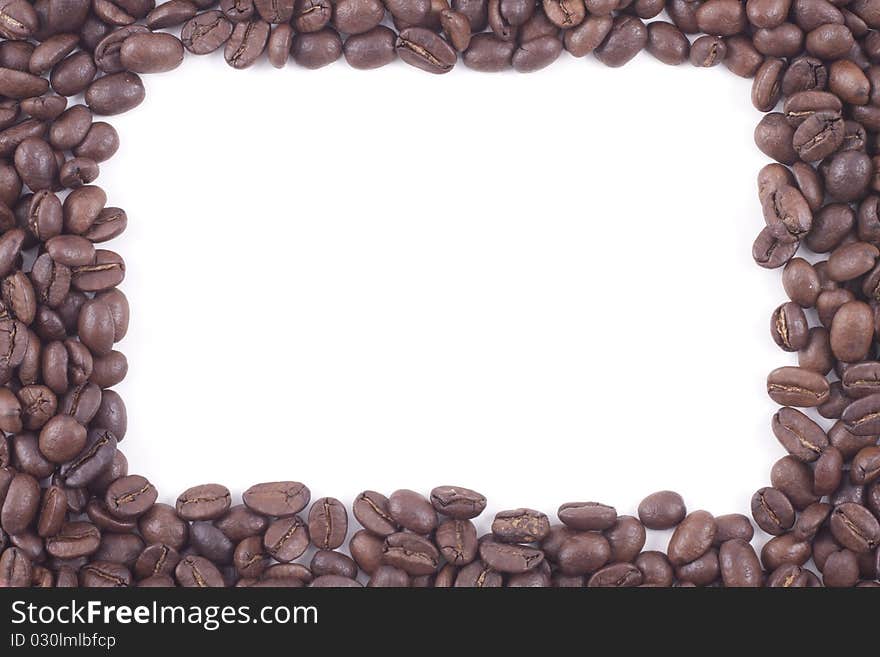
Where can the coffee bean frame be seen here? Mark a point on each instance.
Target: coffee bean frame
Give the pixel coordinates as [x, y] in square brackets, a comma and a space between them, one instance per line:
[71, 514]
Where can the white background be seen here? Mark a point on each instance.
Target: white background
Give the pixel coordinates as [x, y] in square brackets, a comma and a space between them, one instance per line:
[537, 286]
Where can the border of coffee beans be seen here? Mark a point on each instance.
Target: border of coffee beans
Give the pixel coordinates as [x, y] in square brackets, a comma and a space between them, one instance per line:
[71, 514]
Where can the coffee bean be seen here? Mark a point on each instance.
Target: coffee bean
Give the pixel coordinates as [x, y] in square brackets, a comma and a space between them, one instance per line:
[20, 505]
[667, 43]
[800, 436]
[866, 466]
[785, 549]
[62, 438]
[662, 510]
[412, 511]
[708, 51]
[205, 32]
[329, 562]
[589, 35]
[425, 50]
[281, 498]
[410, 553]
[628, 36]
[371, 510]
[457, 502]
[151, 52]
[205, 502]
[388, 577]
[357, 16]
[510, 558]
[457, 541]
[788, 327]
[587, 515]
[855, 527]
[74, 539]
[692, 538]
[160, 524]
[115, 93]
[766, 85]
[193, 571]
[794, 479]
[520, 526]
[772, 511]
[328, 523]
[316, 49]
[287, 538]
[583, 553]
[247, 43]
[488, 53]
[240, 522]
[250, 559]
[130, 496]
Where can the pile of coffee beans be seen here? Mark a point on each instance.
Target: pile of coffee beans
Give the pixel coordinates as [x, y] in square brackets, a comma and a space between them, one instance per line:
[70, 512]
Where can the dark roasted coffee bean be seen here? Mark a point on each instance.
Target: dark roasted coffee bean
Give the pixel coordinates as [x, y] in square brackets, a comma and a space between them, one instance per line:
[74, 539]
[240, 522]
[667, 43]
[21, 503]
[855, 527]
[457, 540]
[371, 510]
[328, 523]
[205, 502]
[799, 435]
[425, 50]
[861, 379]
[772, 511]
[628, 37]
[587, 515]
[16, 570]
[211, 543]
[795, 386]
[520, 526]
[766, 84]
[287, 538]
[329, 562]
[206, 32]
[411, 553]
[357, 16]
[583, 553]
[692, 538]
[731, 526]
[708, 51]
[865, 466]
[160, 524]
[510, 558]
[130, 496]
[412, 511]
[247, 43]
[198, 572]
[862, 416]
[366, 549]
[279, 44]
[457, 502]
[488, 53]
[151, 52]
[788, 327]
[794, 479]
[311, 15]
[316, 49]
[662, 510]
[852, 331]
[171, 14]
[156, 559]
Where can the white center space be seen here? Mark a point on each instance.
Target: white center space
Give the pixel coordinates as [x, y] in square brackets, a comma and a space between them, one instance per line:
[537, 286]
